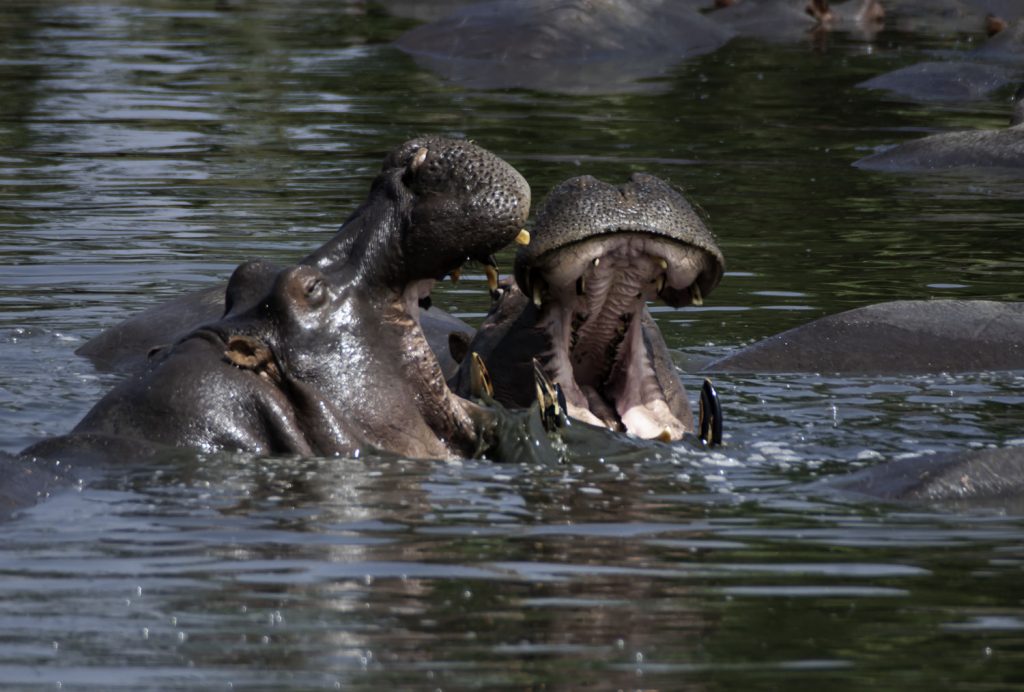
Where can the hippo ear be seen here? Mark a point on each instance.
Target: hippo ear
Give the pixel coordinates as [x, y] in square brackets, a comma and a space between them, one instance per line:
[249, 353]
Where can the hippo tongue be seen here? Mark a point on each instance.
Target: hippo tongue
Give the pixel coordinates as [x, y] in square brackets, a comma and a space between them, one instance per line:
[636, 393]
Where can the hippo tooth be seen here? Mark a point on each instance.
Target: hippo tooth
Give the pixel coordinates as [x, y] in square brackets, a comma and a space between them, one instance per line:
[492, 278]
[536, 296]
[695, 297]
[660, 285]
[523, 238]
[664, 436]
[456, 274]
[663, 263]
[418, 158]
[597, 261]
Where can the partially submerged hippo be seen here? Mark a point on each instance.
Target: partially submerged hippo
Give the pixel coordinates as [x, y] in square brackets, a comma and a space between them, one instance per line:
[966, 76]
[329, 363]
[993, 149]
[597, 255]
[900, 337]
[982, 477]
[469, 181]
[574, 46]
[794, 20]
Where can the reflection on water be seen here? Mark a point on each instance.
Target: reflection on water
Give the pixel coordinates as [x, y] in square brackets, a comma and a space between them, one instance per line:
[148, 147]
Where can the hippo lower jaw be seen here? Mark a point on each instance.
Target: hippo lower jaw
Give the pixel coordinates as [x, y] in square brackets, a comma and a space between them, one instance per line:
[592, 297]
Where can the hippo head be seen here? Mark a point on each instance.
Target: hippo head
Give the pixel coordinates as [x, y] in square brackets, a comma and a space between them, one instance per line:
[436, 203]
[597, 255]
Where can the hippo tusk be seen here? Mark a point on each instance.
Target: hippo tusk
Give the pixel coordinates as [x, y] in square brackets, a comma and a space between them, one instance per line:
[417, 159]
[480, 384]
[492, 279]
[523, 237]
[710, 419]
[695, 295]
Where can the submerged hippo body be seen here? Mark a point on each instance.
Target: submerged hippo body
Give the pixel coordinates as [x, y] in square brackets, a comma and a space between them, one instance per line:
[784, 21]
[976, 149]
[984, 477]
[967, 76]
[578, 307]
[900, 337]
[576, 46]
[328, 363]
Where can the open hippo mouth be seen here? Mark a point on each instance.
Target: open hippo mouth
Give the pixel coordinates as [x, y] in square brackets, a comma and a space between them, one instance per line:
[641, 242]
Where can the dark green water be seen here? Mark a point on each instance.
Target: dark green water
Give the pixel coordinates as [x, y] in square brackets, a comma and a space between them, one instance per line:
[148, 147]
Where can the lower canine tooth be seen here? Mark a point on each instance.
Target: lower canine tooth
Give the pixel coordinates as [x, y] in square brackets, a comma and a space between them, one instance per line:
[536, 296]
[492, 278]
[660, 283]
[695, 297]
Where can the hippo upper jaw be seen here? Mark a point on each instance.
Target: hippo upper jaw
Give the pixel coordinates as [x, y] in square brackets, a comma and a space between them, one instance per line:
[591, 298]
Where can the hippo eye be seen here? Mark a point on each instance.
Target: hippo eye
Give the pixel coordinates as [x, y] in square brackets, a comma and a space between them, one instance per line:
[314, 289]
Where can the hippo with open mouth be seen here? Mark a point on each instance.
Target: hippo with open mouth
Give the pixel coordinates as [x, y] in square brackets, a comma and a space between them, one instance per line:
[578, 306]
[328, 357]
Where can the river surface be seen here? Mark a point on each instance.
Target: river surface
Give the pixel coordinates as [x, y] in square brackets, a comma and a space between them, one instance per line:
[147, 147]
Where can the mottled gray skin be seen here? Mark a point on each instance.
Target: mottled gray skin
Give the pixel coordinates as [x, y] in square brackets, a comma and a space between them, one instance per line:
[327, 364]
[901, 337]
[975, 149]
[945, 17]
[573, 46]
[494, 190]
[971, 478]
[598, 253]
[966, 76]
[786, 21]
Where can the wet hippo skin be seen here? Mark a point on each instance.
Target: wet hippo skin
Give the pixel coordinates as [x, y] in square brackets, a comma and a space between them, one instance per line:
[578, 305]
[321, 364]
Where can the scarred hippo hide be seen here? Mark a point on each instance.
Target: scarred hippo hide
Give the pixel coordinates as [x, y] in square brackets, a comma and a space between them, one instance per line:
[466, 186]
[315, 363]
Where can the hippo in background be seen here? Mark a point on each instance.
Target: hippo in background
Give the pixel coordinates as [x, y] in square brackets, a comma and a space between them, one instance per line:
[310, 363]
[989, 478]
[948, 17]
[598, 253]
[575, 46]
[897, 338]
[125, 347]
[966, 76]
[787, 21]
[974, 149]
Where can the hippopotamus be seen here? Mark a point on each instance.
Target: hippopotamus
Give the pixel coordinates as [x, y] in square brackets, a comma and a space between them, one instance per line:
[981, 477]
[968, 76]
[314, 363]
[989, 149]
[125, 347]
[793, 20]
[949, 16]
[575, 46]
[899, 337]
[597, 254]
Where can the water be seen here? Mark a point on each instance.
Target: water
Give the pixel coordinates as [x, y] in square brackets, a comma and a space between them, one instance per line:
[148, 147]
